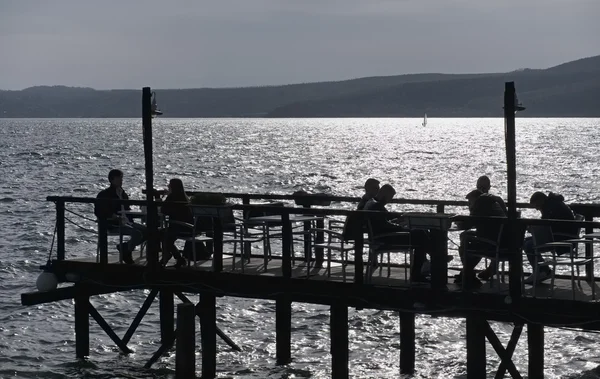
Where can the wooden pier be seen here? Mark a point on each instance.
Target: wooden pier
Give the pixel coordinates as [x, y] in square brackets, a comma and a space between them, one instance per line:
[286, 273]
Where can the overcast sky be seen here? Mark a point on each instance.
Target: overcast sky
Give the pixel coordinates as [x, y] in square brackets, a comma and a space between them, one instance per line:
[181, 44]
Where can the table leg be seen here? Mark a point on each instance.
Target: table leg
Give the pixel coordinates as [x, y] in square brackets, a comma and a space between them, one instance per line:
[439, 258]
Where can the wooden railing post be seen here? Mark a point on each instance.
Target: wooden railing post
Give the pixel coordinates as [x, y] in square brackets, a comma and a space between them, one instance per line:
[440, 208]
[589, 250]
[286, 230]
[358, 252]
[103, 241]
[218, 245]
[60, 230]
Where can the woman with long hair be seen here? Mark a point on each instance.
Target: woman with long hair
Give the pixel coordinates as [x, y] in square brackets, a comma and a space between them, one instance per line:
[177, 207]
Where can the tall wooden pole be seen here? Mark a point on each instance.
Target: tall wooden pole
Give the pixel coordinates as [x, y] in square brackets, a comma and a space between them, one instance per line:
[152, 216]
[516, 264]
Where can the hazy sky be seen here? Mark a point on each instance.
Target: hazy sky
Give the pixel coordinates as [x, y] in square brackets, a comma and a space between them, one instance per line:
[177, 44]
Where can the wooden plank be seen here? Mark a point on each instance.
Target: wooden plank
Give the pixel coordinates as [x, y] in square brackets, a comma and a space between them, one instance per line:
[167, 315]
[476, 356]
[82, 327]
[535, 343]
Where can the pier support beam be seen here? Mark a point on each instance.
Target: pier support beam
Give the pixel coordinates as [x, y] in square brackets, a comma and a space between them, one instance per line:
[476, 362]
[208, 335]
[535, 345]
[82, 326]
[407, 343]
[283, 330]
[339, 341]
[167, 316]
[185, 354]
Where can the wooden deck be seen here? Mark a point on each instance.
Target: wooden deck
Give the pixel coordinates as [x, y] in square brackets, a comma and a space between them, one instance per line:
[399, 277]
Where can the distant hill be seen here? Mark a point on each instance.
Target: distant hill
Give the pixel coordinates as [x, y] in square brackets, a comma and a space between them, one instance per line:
[569, 89]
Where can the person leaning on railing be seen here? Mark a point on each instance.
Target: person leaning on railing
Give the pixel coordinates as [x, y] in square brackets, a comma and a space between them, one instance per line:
[110, 211]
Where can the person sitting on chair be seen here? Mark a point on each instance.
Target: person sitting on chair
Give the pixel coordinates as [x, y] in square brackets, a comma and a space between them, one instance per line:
[484, 185]
[551, 206]
[177, 207]
[382, 225]
[482, 205]
[110, 211]
[371, 189]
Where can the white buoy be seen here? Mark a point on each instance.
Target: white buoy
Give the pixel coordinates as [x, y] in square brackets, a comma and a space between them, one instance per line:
[47, 281]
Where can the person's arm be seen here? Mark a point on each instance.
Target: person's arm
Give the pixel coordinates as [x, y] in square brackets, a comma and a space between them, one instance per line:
[103, 207]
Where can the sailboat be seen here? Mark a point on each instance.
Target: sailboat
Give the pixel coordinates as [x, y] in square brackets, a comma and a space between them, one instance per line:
[424, 120]
[155, 110]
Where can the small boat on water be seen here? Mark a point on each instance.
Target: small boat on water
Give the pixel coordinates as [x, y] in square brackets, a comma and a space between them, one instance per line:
[155, 110]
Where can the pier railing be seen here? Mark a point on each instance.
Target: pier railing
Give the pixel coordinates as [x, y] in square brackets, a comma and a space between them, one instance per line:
[439, 267]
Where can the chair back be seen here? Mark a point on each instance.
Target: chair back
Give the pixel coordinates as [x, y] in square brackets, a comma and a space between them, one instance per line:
[352, 227]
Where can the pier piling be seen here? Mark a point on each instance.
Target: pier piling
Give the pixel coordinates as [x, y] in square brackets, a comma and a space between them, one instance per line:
[283, 330]
[476, 355]
[82, 327]
[167, 316]
[185, 358]
[208, 335]
[407, 343]
[535, 345]
[339, 341]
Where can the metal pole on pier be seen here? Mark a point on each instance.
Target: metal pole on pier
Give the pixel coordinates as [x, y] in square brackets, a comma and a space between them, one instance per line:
[152, 216]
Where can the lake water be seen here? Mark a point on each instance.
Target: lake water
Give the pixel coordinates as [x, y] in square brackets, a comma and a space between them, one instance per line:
[73, 156]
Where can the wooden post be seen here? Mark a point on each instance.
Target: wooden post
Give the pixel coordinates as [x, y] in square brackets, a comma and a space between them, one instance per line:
[103, 241]
[217, 245]
[339, 341]
[535, 344]
[208, 335]
[167, 317]
[476, 356]
[440, 208]
[307, 240]
[283, 330]
[589, 250]
[82, 326]
[247, 248]
[320, 237]
[286, 241]
[185, 358]
[151, 208]
[439, 261]
[407, 343]
[359, 277]
[60, 230]
[516, 266]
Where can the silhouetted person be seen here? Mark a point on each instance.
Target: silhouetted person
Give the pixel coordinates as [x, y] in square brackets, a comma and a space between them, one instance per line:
[482, 205]
[484, 184]
[109, 211]
[371, 189]
[177, 207]
[381, 225]
[551, 206]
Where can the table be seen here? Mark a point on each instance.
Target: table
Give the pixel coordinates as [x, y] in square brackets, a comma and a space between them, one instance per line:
[438, 225]
[294, 218]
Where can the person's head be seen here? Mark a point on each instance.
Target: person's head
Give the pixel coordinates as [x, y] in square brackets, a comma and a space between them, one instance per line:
[386, 194]
[538, 199]
[176, 188]
[371, 187]
[483, 184]
[472, 197]
[115, 177]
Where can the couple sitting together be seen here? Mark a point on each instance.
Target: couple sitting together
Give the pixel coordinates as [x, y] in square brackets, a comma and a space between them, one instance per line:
[175, 206]
[484, 204]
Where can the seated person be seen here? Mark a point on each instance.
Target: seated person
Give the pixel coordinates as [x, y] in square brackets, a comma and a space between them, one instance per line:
[483, 205]
[484, 185]
[551, 206]
[108, 210]
[381, 225]
[176, 206]
[371, 189]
